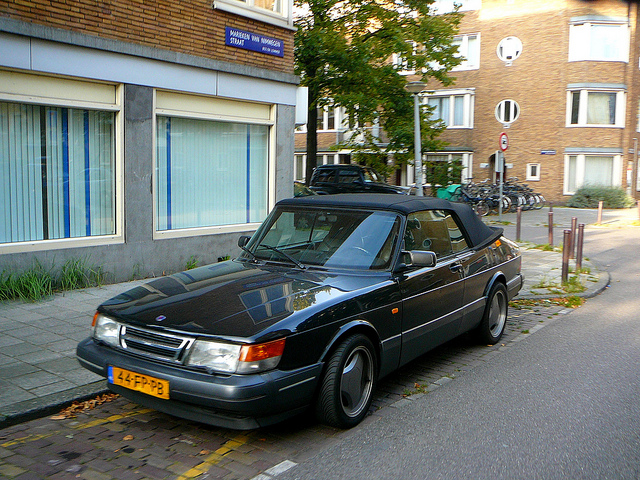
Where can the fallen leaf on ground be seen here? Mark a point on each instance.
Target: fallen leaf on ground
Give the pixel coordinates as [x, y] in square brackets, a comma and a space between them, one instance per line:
[75, 407]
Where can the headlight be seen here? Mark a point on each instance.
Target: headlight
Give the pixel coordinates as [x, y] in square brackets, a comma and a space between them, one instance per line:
[221, 357]
[229, 358]
[106, 330]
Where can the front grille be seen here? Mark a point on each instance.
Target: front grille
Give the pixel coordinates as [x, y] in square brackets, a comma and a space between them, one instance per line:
[162, 346]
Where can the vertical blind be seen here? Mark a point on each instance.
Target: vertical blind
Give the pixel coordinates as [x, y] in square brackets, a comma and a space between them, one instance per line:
[210, 173]
[57, 173]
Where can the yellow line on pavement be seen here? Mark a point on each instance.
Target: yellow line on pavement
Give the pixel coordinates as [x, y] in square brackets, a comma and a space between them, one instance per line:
[215, 457]
[112, 418]
[100, 421]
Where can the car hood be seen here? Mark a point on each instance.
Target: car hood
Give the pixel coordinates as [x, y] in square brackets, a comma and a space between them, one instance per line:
[232, 299]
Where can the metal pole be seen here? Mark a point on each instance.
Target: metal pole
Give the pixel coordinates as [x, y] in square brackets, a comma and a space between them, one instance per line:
[566, 248]
[417, 145]
[600, 205]
[580, 242]
[574, 227]
[501, 173]
[518, 224]
[550, 227]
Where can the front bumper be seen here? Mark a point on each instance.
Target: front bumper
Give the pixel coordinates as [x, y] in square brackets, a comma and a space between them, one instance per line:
[232, 401]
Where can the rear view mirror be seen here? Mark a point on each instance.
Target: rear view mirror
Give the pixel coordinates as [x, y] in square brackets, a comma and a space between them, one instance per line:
[243, 240]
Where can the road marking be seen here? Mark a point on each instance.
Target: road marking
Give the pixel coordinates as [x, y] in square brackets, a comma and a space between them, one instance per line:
[215, 457]
[112, 418]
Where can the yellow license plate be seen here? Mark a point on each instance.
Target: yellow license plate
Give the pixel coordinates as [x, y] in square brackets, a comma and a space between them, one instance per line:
[139, 382]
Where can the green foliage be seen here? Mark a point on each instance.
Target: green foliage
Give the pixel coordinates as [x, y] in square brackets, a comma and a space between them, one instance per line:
[192, 263]
[38, 282]
[343, 52]
[443, 173]
[590, 195]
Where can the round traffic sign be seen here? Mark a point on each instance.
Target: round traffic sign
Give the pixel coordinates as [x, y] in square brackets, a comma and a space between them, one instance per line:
[504, 141]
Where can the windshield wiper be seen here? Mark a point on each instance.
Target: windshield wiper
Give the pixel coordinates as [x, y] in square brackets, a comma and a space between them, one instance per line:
[298, 264]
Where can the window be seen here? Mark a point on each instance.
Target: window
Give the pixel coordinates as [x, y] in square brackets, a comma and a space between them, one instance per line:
[210, 173]
[455, 109]
[507, 111]
[59, 165]
[58, 172]
[533, 171]
[401, 62]
[329, 117]
[599, 40]
[590, 107]
[435, 231]
[592, 169]
[509, 49]
[300, 166]
[469, 50]
[275, 12]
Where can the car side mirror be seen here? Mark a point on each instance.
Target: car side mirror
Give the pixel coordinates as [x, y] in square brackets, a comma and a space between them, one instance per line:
[417, 259]
[243, 240]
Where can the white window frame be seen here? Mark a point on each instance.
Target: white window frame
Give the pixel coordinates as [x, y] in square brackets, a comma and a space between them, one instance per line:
[465, 175]
[513, 45]
[400, 63]
[500, 109]
[580, 39]
[583, 106]
[32, 89]
[463, 50]
[182, 105]
[246, 8]
[468, 105]
[580, 168]
[531, 175]
[338, 119]
[300, 176]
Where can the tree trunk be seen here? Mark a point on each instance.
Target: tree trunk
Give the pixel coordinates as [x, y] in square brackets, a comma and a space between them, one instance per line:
[312, 134]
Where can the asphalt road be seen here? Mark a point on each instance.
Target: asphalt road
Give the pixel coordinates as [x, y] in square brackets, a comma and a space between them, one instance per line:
[565, 403]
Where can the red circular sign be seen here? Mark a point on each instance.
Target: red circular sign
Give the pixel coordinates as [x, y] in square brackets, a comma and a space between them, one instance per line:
[504, 141]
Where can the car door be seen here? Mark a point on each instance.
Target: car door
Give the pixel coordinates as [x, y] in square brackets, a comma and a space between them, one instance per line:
[432, 297]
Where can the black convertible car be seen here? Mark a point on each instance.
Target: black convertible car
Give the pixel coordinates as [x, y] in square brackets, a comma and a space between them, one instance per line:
[328, 296]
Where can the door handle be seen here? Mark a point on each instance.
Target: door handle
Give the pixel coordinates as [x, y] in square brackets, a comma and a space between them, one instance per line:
[455, 267]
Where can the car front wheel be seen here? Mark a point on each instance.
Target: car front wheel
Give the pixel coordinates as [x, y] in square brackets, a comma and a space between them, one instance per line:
[347, 386]
[494, 319]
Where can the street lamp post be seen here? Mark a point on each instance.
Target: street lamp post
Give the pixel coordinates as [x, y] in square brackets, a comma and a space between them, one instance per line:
[415, 88]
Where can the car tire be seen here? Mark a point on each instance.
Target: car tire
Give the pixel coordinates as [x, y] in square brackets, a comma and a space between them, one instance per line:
[347, 386]
[494, 319]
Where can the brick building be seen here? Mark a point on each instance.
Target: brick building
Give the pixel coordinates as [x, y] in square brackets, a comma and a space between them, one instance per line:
[559, 77]
[135, 134]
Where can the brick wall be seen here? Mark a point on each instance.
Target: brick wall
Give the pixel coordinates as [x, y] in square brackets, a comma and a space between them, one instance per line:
[538, 81]
[191, 27]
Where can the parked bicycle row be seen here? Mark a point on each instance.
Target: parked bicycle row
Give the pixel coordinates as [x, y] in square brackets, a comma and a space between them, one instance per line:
[484, 197]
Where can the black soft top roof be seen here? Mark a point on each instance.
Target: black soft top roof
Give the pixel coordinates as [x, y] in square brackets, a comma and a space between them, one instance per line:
[477, 231]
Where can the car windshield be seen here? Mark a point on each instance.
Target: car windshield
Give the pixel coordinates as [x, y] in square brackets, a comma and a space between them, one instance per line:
[371, 176]
[337, 238]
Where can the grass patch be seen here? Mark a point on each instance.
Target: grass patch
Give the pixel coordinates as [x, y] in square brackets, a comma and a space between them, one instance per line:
[38, 282]
[192, 263]
[572, 301]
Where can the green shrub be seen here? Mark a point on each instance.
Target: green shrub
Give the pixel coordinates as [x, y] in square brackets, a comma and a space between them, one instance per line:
[589, 196]
[38, 282]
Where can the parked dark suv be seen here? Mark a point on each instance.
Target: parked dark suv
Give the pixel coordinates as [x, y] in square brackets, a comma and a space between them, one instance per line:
[330, 179]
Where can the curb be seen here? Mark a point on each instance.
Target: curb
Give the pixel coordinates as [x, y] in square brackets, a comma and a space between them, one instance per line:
[41, 407]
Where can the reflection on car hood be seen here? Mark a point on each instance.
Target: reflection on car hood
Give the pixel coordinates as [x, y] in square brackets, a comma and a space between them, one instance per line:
[230, 299]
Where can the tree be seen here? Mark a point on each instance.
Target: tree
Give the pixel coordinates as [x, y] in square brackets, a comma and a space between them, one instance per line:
[342, 54]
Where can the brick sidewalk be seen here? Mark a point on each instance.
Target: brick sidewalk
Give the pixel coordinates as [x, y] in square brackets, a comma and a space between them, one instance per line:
[123, 440]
